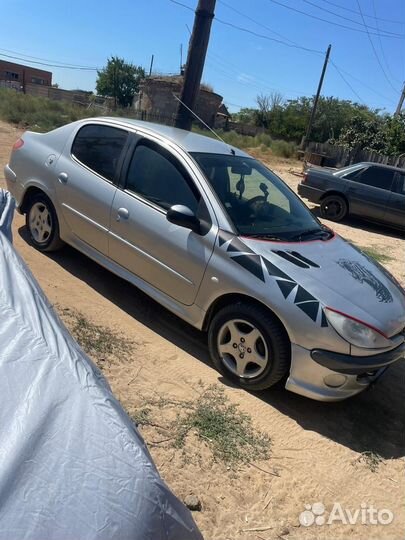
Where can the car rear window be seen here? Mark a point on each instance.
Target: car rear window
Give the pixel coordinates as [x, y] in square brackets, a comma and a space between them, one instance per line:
[99, 148]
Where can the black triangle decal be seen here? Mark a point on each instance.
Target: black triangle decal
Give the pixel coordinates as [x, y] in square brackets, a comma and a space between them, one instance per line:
[303, 295]
[324, 321]
[252, 263]
[224, 237]
[286, 287]
[310, 308]
[237, 246]
[273, 270]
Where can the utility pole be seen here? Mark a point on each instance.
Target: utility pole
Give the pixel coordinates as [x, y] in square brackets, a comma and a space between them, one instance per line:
[401, 101]
[195, 61]
[151, 65]
[315, 105]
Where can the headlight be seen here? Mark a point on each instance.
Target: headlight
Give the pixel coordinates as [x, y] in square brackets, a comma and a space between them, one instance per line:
[356, 332]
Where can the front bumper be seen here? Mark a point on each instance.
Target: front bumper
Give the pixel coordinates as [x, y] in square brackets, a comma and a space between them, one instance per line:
[357, 365]
[346, 375]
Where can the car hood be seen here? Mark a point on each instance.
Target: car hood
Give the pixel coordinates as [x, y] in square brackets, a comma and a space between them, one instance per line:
[341, 277]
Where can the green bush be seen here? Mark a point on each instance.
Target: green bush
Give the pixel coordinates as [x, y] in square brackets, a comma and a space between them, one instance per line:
[262, 141]
[38, 113]
[284, 149]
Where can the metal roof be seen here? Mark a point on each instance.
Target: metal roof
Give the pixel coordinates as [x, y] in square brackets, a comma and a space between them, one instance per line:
[189, 141]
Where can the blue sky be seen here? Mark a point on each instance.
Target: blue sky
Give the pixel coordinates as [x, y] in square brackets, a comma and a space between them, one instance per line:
[239, 65]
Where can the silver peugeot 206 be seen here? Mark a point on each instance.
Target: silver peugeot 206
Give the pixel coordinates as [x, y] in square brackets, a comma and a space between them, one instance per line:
[220, 240]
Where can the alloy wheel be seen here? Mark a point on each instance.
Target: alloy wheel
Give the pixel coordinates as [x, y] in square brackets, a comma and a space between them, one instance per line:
[40, 223]
[242, 348]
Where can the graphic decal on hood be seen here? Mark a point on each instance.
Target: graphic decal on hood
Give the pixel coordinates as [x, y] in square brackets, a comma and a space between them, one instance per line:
[363, 275]
[255, 264]
[295, 258]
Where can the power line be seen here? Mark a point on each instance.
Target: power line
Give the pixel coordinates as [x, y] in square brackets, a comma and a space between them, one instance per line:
[352, 20]
[347, 82]
[257, 82]
[182, 5]
[375, 51]
[47, 64]
[47, 59]
[242, 29]
[363, 83]
[396, 36]
[356, 12]
[256, 22]
[252, 84]
[247, 31]
[381, 46]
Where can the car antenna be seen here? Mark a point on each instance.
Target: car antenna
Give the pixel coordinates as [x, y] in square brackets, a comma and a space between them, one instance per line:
[204, 124]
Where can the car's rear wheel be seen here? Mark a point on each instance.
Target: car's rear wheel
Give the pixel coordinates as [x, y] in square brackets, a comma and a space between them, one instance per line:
[42, 223]
[249, 346]
[334, 207]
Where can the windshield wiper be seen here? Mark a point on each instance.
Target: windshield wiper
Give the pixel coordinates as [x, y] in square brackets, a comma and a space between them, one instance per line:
[312, 232]
[265, 236]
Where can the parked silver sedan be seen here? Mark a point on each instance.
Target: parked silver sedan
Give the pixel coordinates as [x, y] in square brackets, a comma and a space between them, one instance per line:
[220, 240]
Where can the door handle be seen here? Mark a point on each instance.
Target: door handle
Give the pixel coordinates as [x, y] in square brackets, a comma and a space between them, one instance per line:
[122, 213]
[63, 178]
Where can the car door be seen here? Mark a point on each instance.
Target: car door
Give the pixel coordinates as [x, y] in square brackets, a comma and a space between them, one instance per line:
[171, 258]
[395, 210]
[86, 181]
[368, 190]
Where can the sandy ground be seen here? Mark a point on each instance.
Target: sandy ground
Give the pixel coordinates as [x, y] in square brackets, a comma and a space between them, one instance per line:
[315, 447]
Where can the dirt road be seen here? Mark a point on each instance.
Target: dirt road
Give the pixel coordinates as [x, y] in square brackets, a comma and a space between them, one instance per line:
[317, 449]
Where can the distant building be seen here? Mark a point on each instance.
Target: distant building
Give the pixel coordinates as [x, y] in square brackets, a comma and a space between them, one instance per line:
[156, 98]
[18, 76]
[223, 117]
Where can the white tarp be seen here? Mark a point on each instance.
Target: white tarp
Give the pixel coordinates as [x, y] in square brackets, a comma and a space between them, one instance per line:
[72, 465]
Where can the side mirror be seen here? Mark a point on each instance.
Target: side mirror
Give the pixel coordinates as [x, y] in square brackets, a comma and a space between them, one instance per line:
[183, 217]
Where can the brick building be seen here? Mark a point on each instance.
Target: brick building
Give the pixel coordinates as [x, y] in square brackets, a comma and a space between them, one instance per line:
[18, 76]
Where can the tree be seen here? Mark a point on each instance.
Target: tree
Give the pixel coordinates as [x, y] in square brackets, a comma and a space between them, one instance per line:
[119, 80]
[364, 134]
[246, 115]
[268, 108]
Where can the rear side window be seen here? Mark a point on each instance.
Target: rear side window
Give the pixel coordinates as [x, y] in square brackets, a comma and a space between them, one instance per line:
[99, 148]
[157, 176]
[377, 177]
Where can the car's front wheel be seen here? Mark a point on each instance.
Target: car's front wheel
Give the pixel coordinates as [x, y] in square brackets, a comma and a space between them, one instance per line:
[249, 346]
[334, 207]
[42, 223]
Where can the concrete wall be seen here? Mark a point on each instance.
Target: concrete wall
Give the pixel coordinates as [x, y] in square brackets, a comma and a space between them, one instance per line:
[156, 95]
[72, 96]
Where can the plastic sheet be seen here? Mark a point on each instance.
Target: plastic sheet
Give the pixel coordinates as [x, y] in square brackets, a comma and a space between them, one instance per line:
[72, 464]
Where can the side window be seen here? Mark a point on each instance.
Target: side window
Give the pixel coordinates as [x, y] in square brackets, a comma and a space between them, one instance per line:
[377, 177]
[157, 176]
[399, 186]
[99, 148]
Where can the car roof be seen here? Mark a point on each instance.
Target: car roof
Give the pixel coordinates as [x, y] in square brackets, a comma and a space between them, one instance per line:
[189, 141]
[381, 165]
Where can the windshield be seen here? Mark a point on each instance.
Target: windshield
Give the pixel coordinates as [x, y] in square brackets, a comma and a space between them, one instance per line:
[256, 200]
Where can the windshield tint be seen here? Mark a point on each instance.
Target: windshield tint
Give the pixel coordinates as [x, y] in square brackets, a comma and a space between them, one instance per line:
[256, 200]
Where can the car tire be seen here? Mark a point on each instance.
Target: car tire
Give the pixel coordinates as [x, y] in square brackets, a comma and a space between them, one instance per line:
[334, 207]
[249, 346]
[42, 223]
